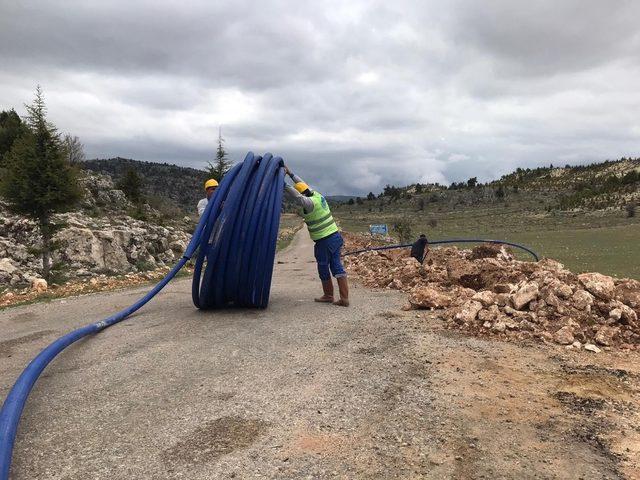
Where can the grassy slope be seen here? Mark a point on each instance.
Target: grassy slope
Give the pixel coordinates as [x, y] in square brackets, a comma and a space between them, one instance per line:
[585, 241]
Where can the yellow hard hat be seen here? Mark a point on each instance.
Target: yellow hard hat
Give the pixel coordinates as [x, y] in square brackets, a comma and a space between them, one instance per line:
[212, 182]
[301, 187]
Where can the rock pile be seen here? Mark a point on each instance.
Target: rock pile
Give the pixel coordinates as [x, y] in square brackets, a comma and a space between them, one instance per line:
[487, 292]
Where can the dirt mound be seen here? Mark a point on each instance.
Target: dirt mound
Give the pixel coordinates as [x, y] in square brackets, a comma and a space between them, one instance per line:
[487, 292]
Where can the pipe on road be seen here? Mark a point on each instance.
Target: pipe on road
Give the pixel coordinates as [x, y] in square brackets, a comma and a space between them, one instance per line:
[440, 242]
[236, 236]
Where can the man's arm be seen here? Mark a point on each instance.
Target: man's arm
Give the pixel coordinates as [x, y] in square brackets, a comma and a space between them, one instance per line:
[305, 202]
[202, 205]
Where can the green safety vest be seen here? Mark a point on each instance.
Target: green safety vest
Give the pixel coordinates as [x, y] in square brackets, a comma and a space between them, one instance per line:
[320, 222]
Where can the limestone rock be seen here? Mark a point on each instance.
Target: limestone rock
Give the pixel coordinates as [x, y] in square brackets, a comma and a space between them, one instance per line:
[597, 284]
[590, 347]
[499, 327]
[560, 289]
[628, 292]
[468, 311]
[39, 285]
[427, 297]
[615, 314]
[7, 266]
[606, 335]
[582, 300]
[485, 297]
[564, 336]
[526, 293]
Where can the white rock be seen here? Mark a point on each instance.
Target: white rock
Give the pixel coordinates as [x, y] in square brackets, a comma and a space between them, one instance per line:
[39, 285]
[564, 336]
[599, 285]
[526, 293]
[468, 311]
[6, 265]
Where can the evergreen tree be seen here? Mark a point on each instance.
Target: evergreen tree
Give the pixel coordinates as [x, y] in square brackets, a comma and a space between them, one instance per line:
[371, 196]
[131, 185]
[221, 164]
[38, 180]
[11, 127]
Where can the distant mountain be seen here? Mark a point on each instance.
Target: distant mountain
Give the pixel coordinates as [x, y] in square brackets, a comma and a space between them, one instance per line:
[177, 186]
[611, 184]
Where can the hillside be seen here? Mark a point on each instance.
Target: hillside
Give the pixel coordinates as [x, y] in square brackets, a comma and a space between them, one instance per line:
[166, 186]
[582, 216]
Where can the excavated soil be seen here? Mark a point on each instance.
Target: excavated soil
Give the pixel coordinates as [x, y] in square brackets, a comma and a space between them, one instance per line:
[487, 292]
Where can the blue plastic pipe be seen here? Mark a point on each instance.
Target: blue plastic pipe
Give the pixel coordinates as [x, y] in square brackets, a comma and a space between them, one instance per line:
[236, 237]
[440, 242]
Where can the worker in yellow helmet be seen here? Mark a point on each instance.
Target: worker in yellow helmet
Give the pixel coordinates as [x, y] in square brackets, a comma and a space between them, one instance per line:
[209, 187]
[326, 236]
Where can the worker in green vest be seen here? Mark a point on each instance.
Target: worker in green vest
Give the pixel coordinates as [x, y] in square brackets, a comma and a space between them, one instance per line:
[326, 236]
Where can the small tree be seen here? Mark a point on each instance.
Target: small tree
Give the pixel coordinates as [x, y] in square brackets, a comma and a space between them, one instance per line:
[402, 227]
[419, 188]
[131, 185]
[371, 196]
[38, 180]
[421, 204]
[631, 210]
[73, 149]
[351, 202]
[472, 182]
[500, 192]
[11, 127]
[221, 164]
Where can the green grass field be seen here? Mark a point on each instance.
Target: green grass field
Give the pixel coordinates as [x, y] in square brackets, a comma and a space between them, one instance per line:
[607, 243]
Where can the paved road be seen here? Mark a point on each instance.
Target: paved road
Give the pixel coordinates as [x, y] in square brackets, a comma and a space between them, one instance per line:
[300, 390]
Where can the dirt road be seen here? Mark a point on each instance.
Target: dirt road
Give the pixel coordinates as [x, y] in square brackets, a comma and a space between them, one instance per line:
[306, 390]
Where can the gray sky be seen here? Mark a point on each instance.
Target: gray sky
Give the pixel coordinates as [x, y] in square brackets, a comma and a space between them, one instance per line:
[353, 94]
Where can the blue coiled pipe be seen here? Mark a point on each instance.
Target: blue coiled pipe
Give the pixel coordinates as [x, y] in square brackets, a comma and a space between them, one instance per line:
[236, 237]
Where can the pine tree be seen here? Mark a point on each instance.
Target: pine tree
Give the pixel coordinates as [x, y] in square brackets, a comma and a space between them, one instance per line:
[11, 127]
[221, 164]
[131, 185]
[38, 180]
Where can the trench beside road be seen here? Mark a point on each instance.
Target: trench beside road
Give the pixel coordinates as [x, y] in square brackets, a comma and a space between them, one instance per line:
[306, 390]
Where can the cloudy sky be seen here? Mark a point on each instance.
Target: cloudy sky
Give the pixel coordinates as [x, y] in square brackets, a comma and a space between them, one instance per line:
[353, 94]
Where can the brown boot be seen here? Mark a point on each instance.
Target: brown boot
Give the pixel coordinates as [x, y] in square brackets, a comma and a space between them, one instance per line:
[343, 287]
[327, 288]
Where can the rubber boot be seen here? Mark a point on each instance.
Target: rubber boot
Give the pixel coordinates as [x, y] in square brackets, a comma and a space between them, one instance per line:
[327, 289]
[343, 288]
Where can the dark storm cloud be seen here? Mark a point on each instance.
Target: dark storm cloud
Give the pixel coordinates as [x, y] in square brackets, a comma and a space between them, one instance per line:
[354, 95]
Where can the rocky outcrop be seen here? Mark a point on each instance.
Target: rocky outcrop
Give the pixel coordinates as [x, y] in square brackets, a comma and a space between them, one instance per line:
[89, 245]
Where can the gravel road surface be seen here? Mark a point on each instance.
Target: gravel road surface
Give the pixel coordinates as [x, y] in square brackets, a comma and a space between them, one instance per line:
[308, 390]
